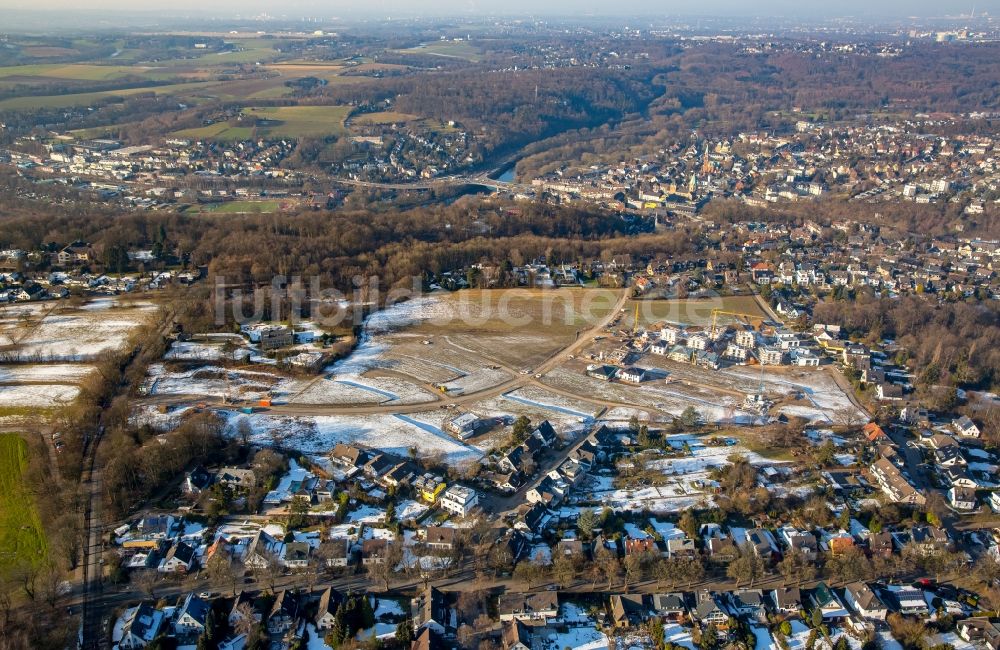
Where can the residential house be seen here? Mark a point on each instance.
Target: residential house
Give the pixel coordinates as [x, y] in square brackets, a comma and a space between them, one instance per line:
[966, 427]
[349, 456]
[894, 484]
[822, 598]
[980, 631]
[863, 600]
[787, 600]
[670, 607]
[905, 599]
[295, 555]
[722, 550]
[547, 492]
[326, 612]
[748, 603]
[262, 550]
[428, 639]
[197, 480]
[889, 392]
[962, 498]
[459, 500]
[874, 433]
[709, 610]
[439, 538]
[192, 616]
[237, 478]
[179, 559]
[628, 610]
[284, 613]
[244, 604]
[374, 551]
[930, 539]
[141, 625]
[681, 547]
[949, 457]
[337, 551]
[632, 375]
[429, 609]
[515, 635]
[761, 543]
[881, 544]
[528, 607]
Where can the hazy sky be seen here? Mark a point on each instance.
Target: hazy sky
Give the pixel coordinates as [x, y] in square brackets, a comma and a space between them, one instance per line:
[320, 8]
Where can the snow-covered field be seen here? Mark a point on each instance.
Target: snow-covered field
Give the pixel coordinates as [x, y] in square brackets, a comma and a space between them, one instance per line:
[62, 334]
[654, 394]
[45, 372]
[67, 334]
[687, 486]
[319, 434]
[41, 385]
[37, 395]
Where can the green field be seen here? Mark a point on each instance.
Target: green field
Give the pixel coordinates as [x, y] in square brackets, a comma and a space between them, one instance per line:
[450, 49]
[22, 539]
[237, 207]
[85, 99]
[82, 71]
[277, 122]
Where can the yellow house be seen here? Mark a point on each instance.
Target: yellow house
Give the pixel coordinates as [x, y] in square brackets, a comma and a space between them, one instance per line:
[430, 493]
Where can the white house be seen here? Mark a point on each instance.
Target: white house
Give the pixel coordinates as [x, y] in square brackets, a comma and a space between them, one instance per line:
[192, 616]
[865, 602]
[632, 375]
[179, 559]
[966, 427]
[962, 498]
[459, 500]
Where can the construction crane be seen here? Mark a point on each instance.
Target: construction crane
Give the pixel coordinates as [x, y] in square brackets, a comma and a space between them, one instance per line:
[751, 318]
[635, 321]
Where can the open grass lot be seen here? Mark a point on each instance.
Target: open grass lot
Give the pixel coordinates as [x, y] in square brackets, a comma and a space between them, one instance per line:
[44, 52]
[237, 207]
[451, 49]
[22, 539]
[512, 328]
[689, 311]
[85, 99]
[383, 117]
[301, 121]
[217, 131]
[82, 71]
[281, 122]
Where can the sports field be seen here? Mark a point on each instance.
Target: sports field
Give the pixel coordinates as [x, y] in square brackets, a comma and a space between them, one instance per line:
[22, 539]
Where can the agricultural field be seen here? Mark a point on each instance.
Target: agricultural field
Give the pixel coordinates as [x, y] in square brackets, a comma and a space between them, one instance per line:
[689, 311]
[49, 348]
[22, 539]
[85, 99]
[44, 72]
